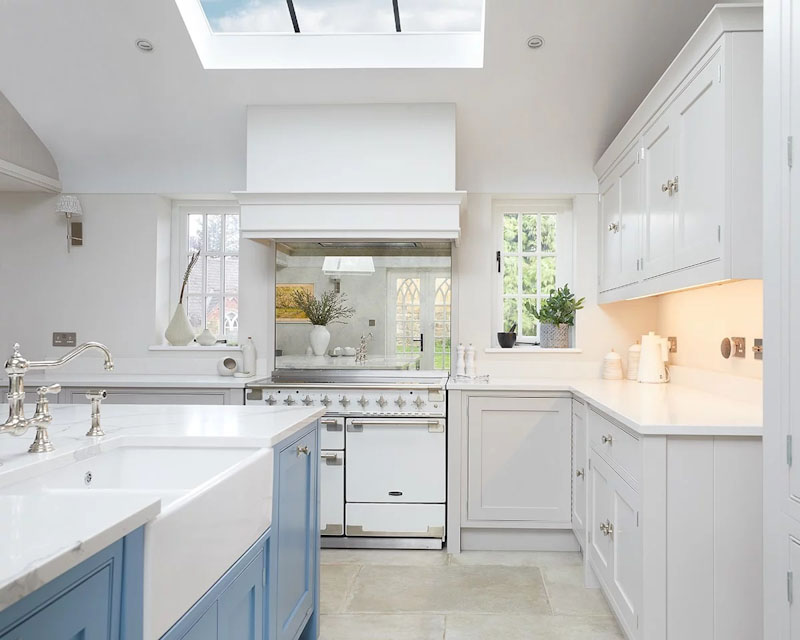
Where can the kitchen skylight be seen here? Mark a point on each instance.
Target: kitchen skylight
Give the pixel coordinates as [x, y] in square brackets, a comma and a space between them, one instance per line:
[335, 34]
[343, 16]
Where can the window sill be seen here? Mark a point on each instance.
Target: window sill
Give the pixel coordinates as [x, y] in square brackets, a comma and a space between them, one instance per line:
[530, 349]
[193, 347]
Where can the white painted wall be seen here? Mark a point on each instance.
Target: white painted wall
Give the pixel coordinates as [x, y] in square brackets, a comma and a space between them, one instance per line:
[701, 318]
[20, 145]
[342, 148]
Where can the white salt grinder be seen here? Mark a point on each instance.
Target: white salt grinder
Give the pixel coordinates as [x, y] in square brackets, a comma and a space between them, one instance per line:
[470, 364]
[460, 365]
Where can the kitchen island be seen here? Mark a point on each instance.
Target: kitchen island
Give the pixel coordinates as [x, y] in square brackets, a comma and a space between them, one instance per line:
[182, 510]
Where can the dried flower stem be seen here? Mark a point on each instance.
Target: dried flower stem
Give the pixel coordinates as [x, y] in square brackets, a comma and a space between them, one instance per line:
[192, 261]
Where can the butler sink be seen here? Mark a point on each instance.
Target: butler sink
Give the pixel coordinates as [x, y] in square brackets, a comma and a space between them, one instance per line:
[215, 502]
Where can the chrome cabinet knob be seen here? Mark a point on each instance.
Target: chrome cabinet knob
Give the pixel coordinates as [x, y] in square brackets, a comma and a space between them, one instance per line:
[609, 439]
[307, 400]
[302, 451]
[606, 528]
[344, 401]
[400, 402]
[326, 400]
[363, 401]
[271, 400]
[382, 402]
[613, 227]
[289, 400]
[419, 402]
[579, 473]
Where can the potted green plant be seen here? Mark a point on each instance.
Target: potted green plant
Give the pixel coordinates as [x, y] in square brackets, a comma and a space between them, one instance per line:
[330, 307]
[556, 316]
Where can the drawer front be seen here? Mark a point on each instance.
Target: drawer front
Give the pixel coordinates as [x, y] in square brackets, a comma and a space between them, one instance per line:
[616, 445]
[331, 487]
[331, 433]
[395, 520]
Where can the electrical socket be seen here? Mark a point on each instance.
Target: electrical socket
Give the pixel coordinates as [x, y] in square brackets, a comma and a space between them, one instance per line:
[65, 338]
[739, 347]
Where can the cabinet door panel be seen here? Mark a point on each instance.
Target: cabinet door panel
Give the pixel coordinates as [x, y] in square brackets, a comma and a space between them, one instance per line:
[794, 567]
[241, 605]
[519, 459]
[610, 240]
[205, 628]
[296, 535]
[700, 123]
[600, 501]
[630, 218]
[659, 215]
[626, 574]
[82, 613]
[579, 472]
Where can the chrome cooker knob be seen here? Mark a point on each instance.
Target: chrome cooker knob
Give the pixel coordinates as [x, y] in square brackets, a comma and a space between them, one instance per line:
[363, 401]
[326, 400]
[419, 402]
[307, 400]
[289, 400]
[271, 400]
[400, 402]
[382, 402]
[344, 401]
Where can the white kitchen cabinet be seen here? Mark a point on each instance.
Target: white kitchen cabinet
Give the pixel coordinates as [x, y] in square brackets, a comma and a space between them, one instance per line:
[697, 141]
[579, 472]
[620, 222]
[519, 460]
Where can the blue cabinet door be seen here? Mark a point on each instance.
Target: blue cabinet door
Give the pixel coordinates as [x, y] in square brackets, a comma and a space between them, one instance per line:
[295, 536]
[82, 613]
[205, 628]
[241, 605]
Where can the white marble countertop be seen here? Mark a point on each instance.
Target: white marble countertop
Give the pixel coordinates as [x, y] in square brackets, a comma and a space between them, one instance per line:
[109, 380]
[45, 535]
[648, 409]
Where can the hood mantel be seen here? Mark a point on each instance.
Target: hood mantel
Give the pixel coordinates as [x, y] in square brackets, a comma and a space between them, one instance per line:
[362, 216]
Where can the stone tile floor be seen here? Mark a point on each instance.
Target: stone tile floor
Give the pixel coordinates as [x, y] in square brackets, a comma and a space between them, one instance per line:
[431, 595]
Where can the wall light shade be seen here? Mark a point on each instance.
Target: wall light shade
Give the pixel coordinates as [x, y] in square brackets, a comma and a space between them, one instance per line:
[69, 205]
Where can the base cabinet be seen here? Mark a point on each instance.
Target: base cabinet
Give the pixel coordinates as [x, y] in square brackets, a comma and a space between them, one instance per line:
[579, 473]
[91, 601]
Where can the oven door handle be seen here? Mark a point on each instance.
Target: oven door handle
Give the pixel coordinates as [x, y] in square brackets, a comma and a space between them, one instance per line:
[434, 426]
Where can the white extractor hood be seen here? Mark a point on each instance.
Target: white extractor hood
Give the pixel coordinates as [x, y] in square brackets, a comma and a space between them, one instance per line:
[378, 172]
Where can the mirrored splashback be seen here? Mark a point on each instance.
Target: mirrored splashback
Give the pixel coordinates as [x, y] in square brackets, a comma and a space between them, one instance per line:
[384, 306]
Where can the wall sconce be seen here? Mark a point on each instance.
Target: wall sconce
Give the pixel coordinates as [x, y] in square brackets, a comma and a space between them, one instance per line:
[70, 206]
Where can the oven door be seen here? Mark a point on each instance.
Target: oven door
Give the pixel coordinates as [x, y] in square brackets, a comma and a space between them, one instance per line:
[331, 481]
[395, 460]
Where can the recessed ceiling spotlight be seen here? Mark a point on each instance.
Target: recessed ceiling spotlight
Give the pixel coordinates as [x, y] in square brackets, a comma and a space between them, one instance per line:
[536, 42]
[144, 45]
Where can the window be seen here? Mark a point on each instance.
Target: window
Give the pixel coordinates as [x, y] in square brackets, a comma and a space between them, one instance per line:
[343, 16]
[532, 261]
[212, 295]
[421, 323]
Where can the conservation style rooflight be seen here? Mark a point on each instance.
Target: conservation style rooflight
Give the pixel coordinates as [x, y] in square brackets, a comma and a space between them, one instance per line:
[335, 34]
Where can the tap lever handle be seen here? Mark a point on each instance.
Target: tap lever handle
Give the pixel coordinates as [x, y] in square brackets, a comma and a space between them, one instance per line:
[43, 391]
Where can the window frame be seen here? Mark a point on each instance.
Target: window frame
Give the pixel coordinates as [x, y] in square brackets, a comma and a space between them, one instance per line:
[564, 252]
[179, 251]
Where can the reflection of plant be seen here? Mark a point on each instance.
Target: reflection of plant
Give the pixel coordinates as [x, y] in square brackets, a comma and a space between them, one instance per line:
[192, 261]
[327, 309]
[559, 308]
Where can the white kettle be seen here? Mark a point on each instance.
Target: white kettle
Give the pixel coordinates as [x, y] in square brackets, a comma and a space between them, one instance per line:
[653, 359]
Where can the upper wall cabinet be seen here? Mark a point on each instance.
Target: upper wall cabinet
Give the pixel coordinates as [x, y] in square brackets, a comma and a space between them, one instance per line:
[680, 186]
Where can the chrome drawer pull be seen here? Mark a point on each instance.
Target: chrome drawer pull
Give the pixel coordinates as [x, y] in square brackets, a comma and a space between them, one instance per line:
[302, 450]
[607, 439]
[329, 456]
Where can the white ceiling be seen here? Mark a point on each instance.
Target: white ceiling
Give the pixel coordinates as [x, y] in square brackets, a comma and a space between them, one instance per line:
[118, 120]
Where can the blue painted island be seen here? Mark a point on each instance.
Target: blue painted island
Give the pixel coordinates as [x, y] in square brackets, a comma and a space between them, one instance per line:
[189, 523]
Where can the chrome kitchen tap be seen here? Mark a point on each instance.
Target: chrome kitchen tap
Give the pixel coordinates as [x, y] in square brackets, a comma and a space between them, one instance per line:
[16, 367]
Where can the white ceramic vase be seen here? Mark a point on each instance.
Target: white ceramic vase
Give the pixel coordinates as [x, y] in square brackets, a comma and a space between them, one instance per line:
[319, 338]
[179, 333]
[206, 338]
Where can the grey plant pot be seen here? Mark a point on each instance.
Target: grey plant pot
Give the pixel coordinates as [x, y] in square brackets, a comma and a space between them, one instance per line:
[554, 336]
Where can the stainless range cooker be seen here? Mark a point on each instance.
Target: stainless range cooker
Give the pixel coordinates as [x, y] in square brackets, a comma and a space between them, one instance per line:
[383, 450]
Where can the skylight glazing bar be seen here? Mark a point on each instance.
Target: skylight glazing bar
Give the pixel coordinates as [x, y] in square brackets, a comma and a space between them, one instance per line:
[293, 15]
[395, 3]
